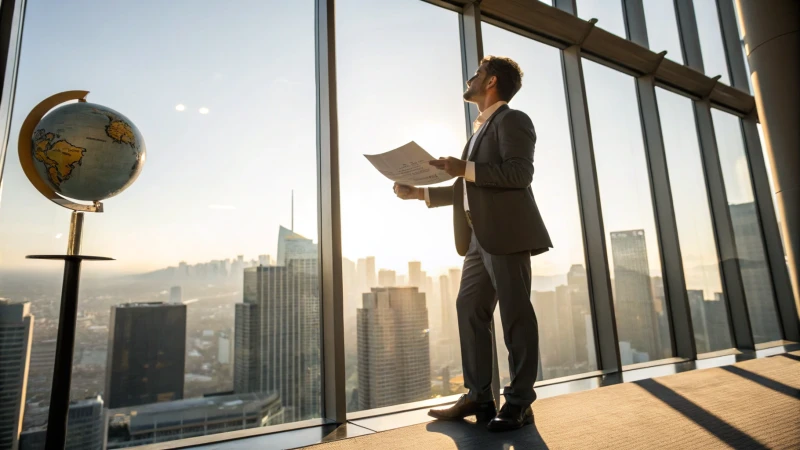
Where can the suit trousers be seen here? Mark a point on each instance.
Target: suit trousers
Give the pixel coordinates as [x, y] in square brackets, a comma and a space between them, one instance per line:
[486, 280]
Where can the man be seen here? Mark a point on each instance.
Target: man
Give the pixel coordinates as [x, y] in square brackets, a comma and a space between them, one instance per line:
[497, 229]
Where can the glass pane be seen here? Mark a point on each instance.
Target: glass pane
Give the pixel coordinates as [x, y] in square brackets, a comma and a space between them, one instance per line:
[229, 137]
[741, 40]
[693, 218]
[662, 28]
[607, 12]
[633, 253]
[560, 293]
[399, 79]
[710, 33]
[746, 228]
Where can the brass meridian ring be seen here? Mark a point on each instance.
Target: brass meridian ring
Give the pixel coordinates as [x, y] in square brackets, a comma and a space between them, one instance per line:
[26, 150]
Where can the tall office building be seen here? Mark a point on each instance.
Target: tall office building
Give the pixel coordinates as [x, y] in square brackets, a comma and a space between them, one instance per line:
[579, 300]
[755, 272]
[393, 348]
[276, 344]
[699, 320]
[415, 278]
[175, 294]
[546, 306]
[264, 260]
[86, 428]
[633, 297]
[86, 425]
[146, 354]
[16, 334]
[387, 278]
[366, 274]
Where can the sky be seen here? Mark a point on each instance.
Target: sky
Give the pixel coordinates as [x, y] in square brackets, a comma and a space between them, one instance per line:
[217, 185]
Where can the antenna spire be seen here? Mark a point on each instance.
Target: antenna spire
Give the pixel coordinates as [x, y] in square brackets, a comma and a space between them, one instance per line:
[292, 209]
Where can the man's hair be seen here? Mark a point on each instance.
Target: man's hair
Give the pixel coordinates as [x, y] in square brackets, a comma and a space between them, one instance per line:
[508, 73]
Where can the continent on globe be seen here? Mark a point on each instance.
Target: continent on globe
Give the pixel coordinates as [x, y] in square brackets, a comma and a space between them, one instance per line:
[119, 130]
[60, 157]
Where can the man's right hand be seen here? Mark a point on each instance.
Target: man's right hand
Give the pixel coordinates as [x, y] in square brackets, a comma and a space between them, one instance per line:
[407, 192]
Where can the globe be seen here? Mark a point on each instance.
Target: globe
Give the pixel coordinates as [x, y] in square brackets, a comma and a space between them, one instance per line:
[86, 151]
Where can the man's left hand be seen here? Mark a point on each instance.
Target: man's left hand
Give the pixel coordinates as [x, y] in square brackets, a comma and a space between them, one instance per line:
[453, 166]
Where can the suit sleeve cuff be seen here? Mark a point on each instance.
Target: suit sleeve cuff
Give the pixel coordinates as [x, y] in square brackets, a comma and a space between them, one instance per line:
[427, 196]
[469, 173]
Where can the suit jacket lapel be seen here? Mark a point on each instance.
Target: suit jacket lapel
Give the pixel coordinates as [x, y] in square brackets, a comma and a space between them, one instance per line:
[483, 131]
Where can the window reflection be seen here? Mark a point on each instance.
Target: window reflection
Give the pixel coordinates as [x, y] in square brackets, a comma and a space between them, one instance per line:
[560, 292]
[399, 79]
[707, 301]
[753, 263]
[633, 252]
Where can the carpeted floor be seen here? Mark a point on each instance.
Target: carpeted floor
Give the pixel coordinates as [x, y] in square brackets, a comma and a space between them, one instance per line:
[753, 404]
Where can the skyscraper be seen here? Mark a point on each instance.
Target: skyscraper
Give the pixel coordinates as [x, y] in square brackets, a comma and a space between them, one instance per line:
[16, 334]
[264, 260]
[393, 348]
[636, 318]
[86, 425]
[175, 294]
[755, 272]
[86, 428]
[699, 320]
[415, 274]
[387, 278]
[579, 300]
[276, 345]
[371, 280]
[146, 354]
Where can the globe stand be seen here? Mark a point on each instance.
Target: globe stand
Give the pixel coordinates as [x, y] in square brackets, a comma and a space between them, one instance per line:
[65, 343]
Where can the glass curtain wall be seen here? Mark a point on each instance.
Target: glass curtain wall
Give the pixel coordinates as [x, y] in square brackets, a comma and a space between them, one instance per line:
[632, 244]
[662, 28]
[560, 292]
[747, 231]
[607, 12]
[213, 297]
[710, 33]
[707, 300]
[399, 80]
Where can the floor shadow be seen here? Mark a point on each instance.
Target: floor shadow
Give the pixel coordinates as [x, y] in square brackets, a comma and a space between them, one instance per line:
[791, 356]
[776, 386]
[713, 424]
[474, 436]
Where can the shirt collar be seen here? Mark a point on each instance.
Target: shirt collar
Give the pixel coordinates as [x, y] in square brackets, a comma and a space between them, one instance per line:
[486, 114]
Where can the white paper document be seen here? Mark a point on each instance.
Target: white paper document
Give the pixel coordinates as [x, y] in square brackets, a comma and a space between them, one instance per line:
[408, 164]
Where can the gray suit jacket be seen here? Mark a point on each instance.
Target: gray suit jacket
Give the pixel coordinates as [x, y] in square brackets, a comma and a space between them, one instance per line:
[505, 217]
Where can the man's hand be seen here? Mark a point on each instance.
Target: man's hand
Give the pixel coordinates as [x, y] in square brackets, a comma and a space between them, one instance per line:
[453, 166]
[406, 192]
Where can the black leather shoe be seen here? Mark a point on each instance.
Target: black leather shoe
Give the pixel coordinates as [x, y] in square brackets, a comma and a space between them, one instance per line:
[464, 407]
[511, 417]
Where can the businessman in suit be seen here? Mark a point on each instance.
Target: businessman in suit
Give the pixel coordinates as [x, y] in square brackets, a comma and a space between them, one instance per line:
[497, 229]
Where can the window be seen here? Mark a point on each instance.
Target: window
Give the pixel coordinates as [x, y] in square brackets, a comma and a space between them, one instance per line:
[740, 27]
[662, 28]
[710, 34]
[399, 79]
[706, 296]
[631, 241]
[229, 133]
[560, 291]
[607, 12]
[753, 263]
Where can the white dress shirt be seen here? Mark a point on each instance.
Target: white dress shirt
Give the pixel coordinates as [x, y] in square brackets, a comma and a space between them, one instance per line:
[477, 128]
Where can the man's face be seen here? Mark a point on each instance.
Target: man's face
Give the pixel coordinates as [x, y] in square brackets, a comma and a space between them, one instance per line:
[476, 86]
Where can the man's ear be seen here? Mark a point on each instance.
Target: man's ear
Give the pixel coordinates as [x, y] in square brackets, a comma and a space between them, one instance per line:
[491, 82]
